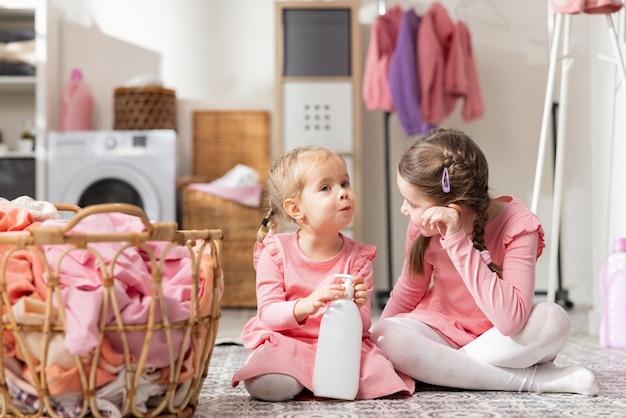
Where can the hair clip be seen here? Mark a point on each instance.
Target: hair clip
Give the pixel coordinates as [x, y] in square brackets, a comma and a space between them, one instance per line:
[445, 181]
[265, 221]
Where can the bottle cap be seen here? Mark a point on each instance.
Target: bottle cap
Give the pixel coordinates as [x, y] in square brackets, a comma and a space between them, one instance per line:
[347, 284]
[77, 74]
[619, 244]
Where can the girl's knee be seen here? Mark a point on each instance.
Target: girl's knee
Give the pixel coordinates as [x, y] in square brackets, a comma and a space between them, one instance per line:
[385, 336]
[273, 387]
[553, 317]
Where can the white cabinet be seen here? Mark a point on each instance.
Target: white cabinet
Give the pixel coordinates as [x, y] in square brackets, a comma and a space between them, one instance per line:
[23, 94]
[318, 81]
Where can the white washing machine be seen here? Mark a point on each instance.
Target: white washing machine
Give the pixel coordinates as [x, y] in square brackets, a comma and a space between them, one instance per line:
[136, 167]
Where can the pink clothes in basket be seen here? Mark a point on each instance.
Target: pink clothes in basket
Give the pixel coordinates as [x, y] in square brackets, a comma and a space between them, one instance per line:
[81, 281]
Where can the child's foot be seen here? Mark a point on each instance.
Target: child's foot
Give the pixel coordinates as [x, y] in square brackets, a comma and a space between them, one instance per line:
[570, 379]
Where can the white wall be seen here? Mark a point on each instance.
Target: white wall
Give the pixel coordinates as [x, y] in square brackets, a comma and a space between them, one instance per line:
[608, 129]
[219, 54]
[215, 54]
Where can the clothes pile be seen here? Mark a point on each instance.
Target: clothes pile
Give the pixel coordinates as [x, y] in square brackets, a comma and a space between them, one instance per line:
[88, 300]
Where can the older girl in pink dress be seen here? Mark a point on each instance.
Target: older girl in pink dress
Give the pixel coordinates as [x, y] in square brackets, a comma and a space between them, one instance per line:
[295, 280]
[462, 312]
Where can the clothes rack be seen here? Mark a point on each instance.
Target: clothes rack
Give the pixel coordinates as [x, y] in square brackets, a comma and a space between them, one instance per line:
[562, 23]
[383, 295]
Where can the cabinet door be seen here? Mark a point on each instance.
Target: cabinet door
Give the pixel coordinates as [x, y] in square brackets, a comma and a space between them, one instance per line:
[318, 80]
[17, 177]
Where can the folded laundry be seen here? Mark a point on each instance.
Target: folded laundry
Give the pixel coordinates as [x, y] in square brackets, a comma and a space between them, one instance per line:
[240, 184]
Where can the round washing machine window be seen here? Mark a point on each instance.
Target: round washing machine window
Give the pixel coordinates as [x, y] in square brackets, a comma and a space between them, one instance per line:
[110, 190]
[114, 183]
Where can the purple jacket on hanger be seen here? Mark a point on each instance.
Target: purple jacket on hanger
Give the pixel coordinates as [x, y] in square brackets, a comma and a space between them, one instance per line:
[404, 84]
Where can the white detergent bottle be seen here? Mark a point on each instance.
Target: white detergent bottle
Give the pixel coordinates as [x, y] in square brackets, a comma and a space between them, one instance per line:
[337, 367]
[613, 293]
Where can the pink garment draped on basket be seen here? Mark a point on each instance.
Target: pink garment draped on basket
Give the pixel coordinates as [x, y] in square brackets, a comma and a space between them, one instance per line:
[240, 185]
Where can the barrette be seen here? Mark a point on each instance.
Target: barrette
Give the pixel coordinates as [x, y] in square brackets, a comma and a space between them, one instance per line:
[445, 181]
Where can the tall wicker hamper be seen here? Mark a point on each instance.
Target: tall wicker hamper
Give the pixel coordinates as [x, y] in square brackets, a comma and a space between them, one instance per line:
[182, 380]
[221, 140]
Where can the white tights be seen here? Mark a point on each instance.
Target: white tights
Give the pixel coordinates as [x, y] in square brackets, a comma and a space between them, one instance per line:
[521, 362]
[273, 387]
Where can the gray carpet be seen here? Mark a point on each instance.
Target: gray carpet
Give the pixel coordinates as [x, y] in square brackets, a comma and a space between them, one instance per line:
[220, 399]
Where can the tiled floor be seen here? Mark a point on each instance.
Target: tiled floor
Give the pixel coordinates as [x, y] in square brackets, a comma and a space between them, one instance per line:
[220, 399]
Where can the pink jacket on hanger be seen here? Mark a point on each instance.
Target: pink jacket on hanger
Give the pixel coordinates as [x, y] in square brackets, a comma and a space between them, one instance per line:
[447, 70]
[433, 47]
[461, 78]
[383, 36]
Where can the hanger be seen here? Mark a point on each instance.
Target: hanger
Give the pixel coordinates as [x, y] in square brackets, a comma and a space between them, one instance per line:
[419, 6]
[490, 13]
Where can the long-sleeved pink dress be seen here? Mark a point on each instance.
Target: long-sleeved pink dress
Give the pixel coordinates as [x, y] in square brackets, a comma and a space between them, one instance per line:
[280, 344]
[466, 298]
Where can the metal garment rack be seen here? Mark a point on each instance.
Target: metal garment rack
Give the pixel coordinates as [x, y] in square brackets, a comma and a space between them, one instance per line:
[383, 295]
[562, 23]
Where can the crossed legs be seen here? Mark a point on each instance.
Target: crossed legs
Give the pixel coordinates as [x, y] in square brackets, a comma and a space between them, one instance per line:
[491, 362]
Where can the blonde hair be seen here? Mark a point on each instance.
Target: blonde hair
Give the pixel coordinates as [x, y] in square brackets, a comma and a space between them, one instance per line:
[287, 179]
[423, 165]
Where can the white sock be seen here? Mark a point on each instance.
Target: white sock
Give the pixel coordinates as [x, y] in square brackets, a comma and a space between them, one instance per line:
[548, 377]
[273, 387]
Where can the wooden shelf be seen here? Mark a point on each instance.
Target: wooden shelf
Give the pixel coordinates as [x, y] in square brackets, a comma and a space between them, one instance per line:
[17, 84]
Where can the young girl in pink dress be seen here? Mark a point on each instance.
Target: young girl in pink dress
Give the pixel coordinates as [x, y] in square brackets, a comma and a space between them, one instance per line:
[309, 186]
[462, 312]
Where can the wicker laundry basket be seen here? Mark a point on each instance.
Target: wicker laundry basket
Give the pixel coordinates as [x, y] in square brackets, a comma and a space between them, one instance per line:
[145, 107]
[35, 375]
[222, 139]
[239, 224]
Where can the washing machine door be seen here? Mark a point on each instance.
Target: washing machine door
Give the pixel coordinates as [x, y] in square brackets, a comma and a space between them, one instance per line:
[110, 190]
[114, 183]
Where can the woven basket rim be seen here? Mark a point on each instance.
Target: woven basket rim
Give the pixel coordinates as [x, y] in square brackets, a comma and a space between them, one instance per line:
[140, 89]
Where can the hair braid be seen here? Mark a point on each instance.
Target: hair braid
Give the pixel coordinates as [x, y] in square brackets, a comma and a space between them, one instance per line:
[422, 165]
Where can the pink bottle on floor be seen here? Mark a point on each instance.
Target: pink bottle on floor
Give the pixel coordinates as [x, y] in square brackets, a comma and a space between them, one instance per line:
[76, 104]
[613, 292]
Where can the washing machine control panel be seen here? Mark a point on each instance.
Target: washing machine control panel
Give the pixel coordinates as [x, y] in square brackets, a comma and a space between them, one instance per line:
[110, 143]
[128, 144]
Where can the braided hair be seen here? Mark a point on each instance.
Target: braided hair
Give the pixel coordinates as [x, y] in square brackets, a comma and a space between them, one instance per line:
[423, 164]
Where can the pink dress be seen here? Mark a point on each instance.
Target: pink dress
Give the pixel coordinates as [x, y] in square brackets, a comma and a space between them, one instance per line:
[282, 345]
[467, 298]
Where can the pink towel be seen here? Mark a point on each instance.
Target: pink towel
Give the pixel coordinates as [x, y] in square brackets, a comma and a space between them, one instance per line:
[586, 6]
